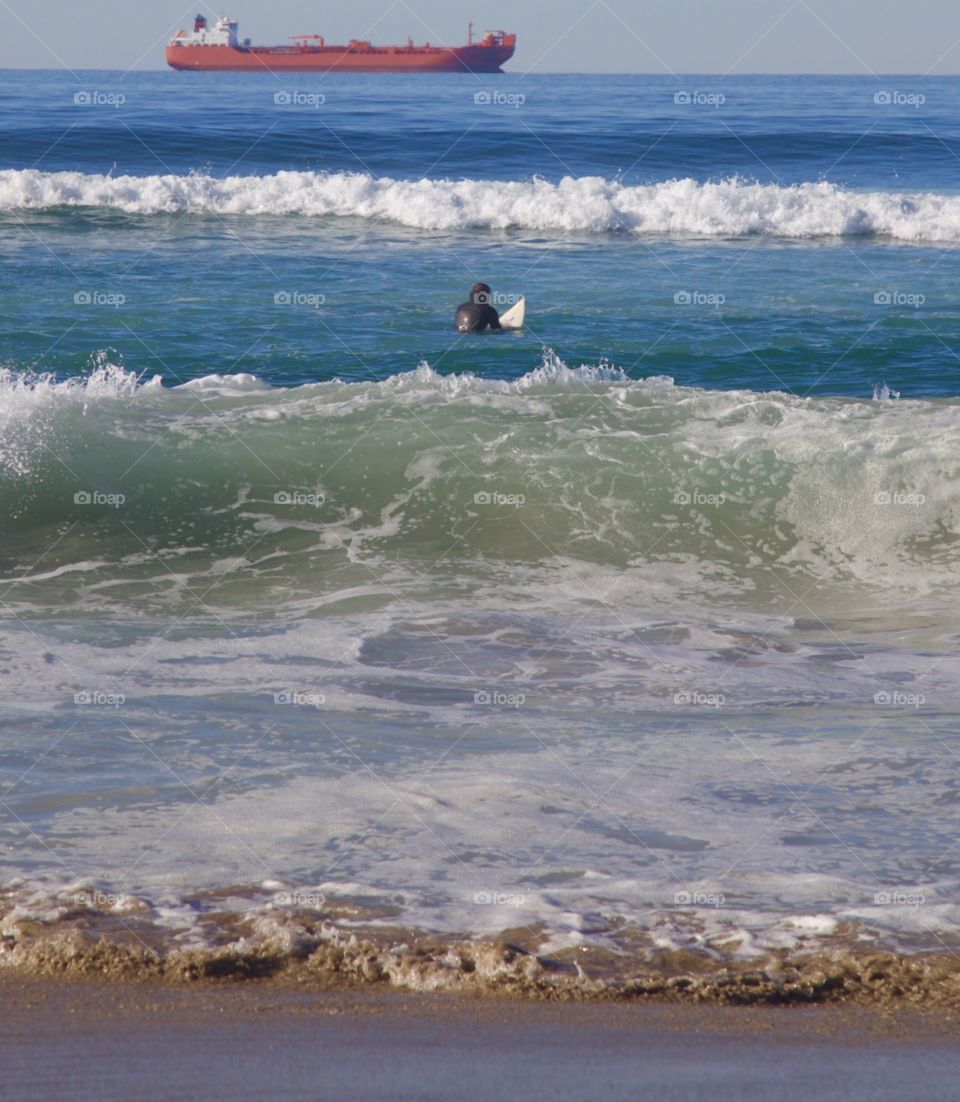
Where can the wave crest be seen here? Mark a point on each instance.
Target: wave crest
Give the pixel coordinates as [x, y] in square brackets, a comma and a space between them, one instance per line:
[591, 204]
[607, 469]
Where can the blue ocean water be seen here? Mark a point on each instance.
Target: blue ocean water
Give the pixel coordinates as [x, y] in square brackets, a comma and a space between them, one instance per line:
[633, 628]
[390, 266]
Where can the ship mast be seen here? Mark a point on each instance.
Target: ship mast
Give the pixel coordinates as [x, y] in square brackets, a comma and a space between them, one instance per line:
[470, 33]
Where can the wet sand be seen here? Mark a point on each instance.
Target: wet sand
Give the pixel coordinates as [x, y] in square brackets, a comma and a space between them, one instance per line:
[101, 1041]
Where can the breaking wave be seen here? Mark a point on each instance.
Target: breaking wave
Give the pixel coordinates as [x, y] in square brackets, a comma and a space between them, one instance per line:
[597, 467]
[726, 208]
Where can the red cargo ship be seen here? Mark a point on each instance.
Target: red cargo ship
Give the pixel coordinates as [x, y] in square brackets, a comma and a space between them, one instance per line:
[218, 48]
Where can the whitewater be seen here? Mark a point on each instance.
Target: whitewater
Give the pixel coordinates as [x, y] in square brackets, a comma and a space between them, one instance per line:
[617, 654]
[590, 205]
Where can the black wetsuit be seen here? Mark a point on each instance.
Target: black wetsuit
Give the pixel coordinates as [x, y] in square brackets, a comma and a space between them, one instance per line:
[474, 316]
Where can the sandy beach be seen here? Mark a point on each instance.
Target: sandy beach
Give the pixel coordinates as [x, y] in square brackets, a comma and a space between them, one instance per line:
[253, 1041]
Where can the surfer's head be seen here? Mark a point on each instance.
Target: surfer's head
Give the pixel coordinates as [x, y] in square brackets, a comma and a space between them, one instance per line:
[480, 294]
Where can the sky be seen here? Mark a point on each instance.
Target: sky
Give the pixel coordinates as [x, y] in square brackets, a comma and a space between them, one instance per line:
[870, 37]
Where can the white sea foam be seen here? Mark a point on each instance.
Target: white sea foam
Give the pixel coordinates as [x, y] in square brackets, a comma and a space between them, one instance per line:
[406, 770]
[225, 384]
[592, 204]
[513, 815]
[28, 400]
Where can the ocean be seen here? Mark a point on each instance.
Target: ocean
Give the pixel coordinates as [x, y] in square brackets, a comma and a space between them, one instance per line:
[624, 643]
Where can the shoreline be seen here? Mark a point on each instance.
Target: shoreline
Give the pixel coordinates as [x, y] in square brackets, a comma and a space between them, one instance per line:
[321, 958]
[105, 1041]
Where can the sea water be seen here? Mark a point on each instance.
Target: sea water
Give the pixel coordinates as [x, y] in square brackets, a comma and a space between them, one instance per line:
[631, 632]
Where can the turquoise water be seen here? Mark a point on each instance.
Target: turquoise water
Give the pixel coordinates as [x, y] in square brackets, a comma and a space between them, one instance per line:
[632, 628]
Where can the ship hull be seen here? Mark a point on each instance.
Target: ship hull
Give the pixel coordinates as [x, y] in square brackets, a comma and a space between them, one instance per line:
[340, 59]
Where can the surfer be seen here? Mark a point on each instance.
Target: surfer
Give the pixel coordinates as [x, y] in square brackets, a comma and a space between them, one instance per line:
[477, 313]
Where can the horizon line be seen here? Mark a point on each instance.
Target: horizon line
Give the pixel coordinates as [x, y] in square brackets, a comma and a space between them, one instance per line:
[504, 73]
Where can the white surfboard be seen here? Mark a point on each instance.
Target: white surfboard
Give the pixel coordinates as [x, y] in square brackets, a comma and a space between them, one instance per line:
[513, 318]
